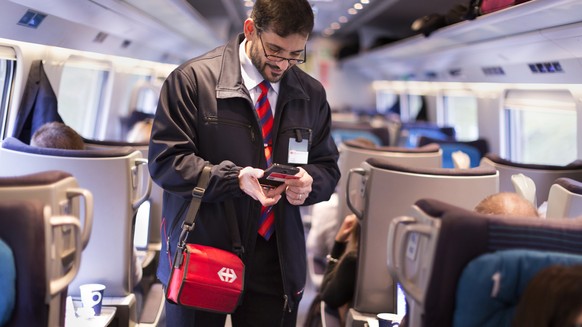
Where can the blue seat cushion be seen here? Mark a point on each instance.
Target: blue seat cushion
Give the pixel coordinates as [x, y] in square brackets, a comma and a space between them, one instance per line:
[7, 283]
[491, 285]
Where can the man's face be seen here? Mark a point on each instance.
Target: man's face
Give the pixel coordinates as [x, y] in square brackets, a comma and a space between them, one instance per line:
[269, 53]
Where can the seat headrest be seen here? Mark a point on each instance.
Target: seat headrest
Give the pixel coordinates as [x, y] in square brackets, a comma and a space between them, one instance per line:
[42, 178]
[90, 143]
[569, 184]
[498, 160]
[423, 149]
[15, 144]
[385, 163]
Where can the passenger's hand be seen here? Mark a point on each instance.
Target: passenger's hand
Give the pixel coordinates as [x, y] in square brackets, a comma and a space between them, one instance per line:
[298, 189]
[346, 228]
[248, 181]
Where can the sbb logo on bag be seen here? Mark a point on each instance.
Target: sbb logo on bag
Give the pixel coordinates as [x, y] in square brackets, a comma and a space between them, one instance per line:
[227, 275]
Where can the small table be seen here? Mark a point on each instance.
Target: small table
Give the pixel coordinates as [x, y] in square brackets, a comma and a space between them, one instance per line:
[107, 314]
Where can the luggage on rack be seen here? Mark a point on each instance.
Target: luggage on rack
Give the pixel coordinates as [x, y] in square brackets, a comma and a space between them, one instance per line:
[482, 7]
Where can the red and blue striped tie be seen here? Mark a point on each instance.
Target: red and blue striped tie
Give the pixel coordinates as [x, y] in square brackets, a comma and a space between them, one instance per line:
[263, 107]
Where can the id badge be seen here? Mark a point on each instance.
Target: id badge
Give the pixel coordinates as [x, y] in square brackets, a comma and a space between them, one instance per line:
[298, 151]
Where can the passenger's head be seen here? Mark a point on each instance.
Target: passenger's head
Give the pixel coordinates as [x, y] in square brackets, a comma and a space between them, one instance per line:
[140, 132]
[276, 34]
[553, 298]
[58, 136]
[508, 204]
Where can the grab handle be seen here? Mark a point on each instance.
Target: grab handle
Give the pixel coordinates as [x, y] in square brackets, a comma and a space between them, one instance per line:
[61, 283]
[87, 215]
[361, 172]
[145, 179]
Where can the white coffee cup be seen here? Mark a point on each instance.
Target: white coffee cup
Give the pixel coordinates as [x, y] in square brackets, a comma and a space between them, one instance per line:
[92, 296]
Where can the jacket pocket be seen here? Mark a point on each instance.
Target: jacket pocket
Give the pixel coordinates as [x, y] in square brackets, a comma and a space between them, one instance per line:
[212, 120]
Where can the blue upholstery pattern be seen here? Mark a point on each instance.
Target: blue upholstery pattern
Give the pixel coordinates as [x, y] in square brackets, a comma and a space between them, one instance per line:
[7, 282]
[491, 285]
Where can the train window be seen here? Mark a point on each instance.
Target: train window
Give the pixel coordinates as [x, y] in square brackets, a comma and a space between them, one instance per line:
[416, 107]
[387, 102]
[7, 69]
[81, 96]
[123, 98]
[147, 97]
[460, 112]
[412, 107]
[540, 127]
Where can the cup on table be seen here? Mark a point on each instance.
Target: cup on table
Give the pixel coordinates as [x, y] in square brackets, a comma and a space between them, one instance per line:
[388, 320]
[92, 296]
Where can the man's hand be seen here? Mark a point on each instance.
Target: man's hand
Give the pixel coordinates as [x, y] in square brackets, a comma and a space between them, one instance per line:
[248, 181]
[297, 190]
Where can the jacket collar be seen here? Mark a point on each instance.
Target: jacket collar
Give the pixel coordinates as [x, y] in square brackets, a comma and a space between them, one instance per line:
[230, 83]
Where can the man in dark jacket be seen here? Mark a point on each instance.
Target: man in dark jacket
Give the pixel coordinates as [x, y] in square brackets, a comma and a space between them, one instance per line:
[206, 115]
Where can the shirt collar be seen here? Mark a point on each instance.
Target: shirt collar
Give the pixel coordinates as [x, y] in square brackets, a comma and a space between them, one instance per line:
[250, 74]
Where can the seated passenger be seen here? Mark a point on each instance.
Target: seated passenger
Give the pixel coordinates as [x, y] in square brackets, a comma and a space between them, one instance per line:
[337, 287]
[553, 298]
[507, 203]
[324, 225]
[57, 136]
[140, 132]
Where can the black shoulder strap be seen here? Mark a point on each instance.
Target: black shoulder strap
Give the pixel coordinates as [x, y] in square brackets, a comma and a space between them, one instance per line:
[233, 226]
[197, 194]
[189, 221]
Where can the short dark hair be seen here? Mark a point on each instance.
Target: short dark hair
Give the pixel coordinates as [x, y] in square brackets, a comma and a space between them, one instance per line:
[284, 17]
[58, 136]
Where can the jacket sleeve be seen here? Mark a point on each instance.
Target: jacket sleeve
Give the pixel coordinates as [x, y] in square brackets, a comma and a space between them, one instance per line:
[174, 162]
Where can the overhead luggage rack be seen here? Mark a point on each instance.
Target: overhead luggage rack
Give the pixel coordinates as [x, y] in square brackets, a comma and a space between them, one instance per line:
[448, 45]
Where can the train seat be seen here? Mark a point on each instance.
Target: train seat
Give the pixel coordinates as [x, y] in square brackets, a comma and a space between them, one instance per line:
[30, 229]
[119, 182]
[147, 237]
[57, 189]
[430, 247]
[565, 199]
[381, 190]
[542, 175]
[476, 149]
[352, 154]
[344, 131]
[411, 132]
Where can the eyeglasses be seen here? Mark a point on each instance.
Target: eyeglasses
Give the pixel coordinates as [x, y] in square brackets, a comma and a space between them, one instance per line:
[275, 58]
